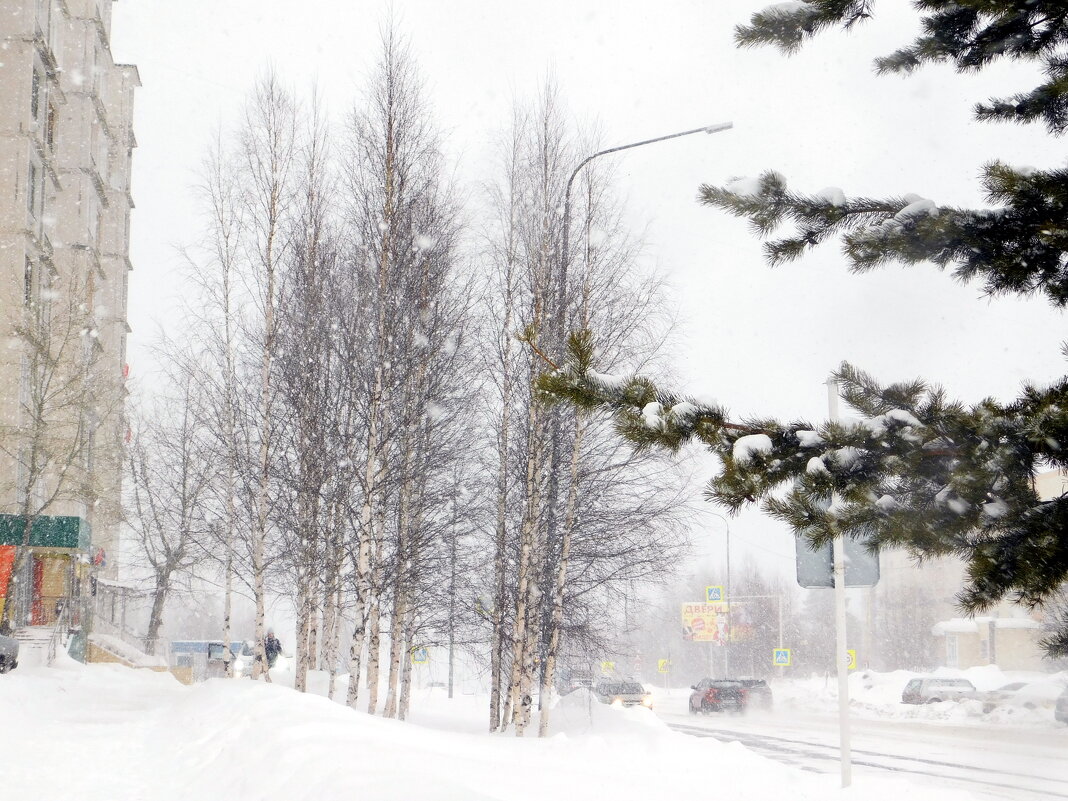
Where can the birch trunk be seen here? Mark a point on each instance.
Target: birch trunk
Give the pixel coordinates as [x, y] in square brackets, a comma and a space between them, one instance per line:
[228, 593]
[374, 621]
[532, 509]
[300, 677]
[269, 153]
[332, 643]
[396, 651]
[406, 668]
[557, 614]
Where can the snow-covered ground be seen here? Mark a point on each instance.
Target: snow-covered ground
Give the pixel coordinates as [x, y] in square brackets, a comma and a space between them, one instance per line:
[97, 732]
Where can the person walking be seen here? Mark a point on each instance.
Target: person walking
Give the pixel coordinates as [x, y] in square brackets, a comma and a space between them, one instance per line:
[271, 648]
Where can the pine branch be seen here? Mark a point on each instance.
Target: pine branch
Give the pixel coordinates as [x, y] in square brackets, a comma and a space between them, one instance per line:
[919, 472]
[972, 34]
[1021, 247]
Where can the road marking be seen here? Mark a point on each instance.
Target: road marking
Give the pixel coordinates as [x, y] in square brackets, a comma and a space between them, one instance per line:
[781, 745]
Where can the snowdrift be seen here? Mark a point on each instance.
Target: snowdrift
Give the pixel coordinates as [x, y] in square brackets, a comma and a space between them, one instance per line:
[124, 734]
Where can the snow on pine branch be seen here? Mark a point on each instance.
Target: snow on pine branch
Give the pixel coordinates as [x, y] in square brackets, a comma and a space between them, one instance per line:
[917, 470]
[1011, 248]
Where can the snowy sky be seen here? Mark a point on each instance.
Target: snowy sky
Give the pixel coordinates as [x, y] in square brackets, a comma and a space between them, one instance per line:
[760, 341]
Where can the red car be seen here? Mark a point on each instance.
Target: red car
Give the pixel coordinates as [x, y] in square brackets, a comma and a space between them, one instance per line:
[718, 695]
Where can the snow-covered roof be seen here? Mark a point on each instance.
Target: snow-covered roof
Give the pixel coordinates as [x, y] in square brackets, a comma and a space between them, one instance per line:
[1016, 623]
[963, 625]
[957, 625]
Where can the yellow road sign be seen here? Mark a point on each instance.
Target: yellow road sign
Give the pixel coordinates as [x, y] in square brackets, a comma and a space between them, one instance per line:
[851, 659]
[663, 666]
[715, 594]
[608, 668]
[781, 657]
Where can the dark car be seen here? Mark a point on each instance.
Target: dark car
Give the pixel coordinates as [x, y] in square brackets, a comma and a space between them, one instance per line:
[9, 653]
[719, 695]
[759, 693]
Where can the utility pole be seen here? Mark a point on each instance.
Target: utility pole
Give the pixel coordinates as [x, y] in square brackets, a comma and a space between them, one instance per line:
[840, 655]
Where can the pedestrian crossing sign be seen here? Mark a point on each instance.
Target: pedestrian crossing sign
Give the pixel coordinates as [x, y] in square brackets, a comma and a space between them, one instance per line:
[608, 668]
[663, 666]
[780, 657]
[420, 656]
[714, 594]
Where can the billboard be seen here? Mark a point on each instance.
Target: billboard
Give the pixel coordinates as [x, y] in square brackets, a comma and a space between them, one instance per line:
[708, 622]
[705, 622]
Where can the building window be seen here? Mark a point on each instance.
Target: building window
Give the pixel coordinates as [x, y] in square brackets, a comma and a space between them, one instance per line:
[31, 190]
[50, 127]
[952, 658]
[35, 95]
[27, 288]
[984, 651]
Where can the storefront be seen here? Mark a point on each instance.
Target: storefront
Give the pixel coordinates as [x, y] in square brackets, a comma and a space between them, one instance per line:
[54, 575]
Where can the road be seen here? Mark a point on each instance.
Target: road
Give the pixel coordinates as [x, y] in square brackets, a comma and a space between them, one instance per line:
[1002, 763]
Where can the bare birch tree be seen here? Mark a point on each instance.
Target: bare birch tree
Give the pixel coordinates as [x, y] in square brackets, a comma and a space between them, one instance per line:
[170, 472]
[268, 143]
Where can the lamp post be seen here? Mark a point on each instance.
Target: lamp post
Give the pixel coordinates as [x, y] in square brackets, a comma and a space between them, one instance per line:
[730, 600]
[564, 250]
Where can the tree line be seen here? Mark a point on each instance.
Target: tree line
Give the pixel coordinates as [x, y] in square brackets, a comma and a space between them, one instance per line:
[348, 416]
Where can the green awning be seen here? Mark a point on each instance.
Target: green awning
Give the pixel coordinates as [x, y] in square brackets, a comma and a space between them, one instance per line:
[49, 531]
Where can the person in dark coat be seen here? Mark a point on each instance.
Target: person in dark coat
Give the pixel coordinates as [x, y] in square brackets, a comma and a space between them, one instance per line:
[272, 648]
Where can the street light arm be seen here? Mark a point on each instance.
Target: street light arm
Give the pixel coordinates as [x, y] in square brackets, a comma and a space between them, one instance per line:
[564, 254]
[709, 129]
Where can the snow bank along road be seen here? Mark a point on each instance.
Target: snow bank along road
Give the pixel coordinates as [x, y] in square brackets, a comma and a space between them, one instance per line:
[107, 733]
[1002, 763]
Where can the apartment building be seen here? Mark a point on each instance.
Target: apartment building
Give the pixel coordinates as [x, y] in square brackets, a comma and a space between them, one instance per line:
[66, 141]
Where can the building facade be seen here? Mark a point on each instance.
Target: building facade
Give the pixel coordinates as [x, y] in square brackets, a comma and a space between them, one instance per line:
[919, 623]
[66, 141]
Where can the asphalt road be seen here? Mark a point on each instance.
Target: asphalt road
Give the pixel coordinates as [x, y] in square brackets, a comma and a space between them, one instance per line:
[1002, 763]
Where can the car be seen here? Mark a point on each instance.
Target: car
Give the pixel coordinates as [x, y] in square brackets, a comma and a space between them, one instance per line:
[992, 698]
[9, 653]
[1060, 711]
[569, 680]
[719, 695]
[759, 693]
[931, 690]
[626, 692]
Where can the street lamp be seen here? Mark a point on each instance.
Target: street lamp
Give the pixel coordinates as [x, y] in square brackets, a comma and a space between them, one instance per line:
[730, 600]
[564, 250]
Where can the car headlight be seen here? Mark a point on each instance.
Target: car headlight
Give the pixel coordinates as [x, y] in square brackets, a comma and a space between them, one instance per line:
[647, 701]
[239, 665]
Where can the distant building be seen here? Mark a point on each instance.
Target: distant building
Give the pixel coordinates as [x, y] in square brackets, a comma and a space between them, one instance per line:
[919, 625]
[66, 141]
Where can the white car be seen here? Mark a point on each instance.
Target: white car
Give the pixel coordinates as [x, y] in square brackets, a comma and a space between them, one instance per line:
[932, 690]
